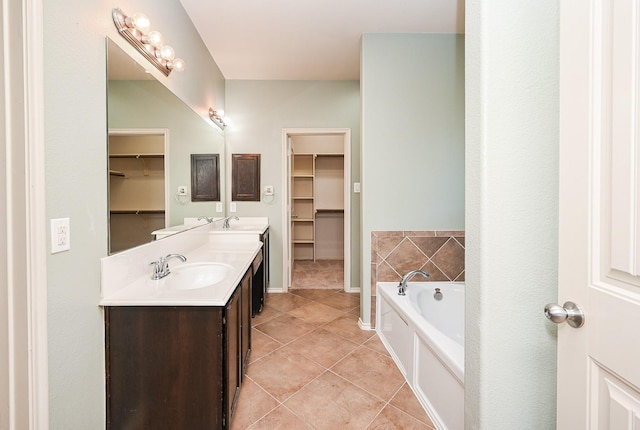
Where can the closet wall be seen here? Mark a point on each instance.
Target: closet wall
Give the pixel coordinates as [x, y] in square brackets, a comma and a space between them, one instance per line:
[317, 216]
[136, 189]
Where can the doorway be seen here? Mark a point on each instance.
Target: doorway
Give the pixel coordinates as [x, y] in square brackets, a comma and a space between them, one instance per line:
[317, 231]
[137, 190]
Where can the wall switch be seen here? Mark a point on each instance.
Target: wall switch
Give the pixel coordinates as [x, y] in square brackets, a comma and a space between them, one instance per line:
[268, 190]
[60, 235]
[232, 207]
[356, 187]
[219, 207]
[182, 190]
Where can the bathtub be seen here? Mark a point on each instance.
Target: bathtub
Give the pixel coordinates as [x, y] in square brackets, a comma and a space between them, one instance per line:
[425, 337]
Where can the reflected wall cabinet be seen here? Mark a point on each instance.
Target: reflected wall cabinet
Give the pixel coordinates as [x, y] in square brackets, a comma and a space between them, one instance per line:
[205, 177]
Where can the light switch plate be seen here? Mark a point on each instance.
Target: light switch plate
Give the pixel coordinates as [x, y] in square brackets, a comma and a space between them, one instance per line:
[219, 207]
[232, 207]
[356, 187]
[60, 235]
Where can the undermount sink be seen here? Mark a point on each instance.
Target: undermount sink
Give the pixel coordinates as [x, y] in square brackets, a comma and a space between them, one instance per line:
[192, 276]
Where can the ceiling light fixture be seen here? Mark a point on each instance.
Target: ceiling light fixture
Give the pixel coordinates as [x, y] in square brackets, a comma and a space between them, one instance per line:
[218, 118]
[135, 29]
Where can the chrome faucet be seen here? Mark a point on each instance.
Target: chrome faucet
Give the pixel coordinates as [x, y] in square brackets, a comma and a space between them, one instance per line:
[161, 266]
[208, 218]
[225, 222]
[402, 286]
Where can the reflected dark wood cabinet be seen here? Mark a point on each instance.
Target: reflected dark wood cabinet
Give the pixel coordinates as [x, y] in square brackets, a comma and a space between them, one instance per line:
[205, 177]
[176, 367]
[245, 177]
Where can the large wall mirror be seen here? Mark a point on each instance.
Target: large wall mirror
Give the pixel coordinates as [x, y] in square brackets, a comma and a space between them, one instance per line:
[152, 135]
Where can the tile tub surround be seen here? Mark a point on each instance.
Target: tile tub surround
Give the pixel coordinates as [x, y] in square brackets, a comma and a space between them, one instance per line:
[394, 253]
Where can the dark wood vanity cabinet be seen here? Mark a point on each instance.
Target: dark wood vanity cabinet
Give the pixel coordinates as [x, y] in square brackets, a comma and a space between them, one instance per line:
[261, 276]
[176, 367]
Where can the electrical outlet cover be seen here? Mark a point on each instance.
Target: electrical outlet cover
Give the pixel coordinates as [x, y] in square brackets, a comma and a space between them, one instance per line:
[60, 235]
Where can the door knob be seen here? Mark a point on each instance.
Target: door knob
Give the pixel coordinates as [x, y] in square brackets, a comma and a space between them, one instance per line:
[569, 312]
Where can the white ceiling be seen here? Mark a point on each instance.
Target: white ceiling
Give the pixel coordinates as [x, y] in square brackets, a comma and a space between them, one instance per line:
[309, 39]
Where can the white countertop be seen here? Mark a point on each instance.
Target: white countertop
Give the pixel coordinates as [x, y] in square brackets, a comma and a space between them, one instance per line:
[243, 225]
[126, 277]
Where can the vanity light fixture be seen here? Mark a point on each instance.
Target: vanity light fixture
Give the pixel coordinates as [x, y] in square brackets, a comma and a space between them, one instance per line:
[218, 118]
[150, 44]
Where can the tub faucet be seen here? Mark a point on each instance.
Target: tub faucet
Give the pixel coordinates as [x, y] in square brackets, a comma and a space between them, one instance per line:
[208, 218]
[402, 286]
[225, 223]
[161, 265]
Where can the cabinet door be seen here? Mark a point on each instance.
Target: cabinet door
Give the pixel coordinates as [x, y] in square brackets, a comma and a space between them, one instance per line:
[164, 367]
[265, 263]
[245, 289]
[233, 353]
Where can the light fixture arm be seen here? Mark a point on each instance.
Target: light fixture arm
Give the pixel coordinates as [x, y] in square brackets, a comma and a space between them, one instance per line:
[141, 41]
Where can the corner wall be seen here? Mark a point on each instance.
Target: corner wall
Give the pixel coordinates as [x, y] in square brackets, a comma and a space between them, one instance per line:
[512, 213]
[260, 110]
[412, 152]
[75, 121]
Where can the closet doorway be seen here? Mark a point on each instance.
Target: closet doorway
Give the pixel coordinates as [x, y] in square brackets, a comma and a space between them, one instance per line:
[317, 179]
[137, 188]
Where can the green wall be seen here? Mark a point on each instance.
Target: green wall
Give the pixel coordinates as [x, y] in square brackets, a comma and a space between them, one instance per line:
[75, 121]
[412, 137]
[148, 104]
[512, 214]
[260, 110]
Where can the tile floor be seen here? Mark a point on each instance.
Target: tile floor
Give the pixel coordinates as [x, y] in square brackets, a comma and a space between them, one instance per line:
[320, 274]
[311, 367]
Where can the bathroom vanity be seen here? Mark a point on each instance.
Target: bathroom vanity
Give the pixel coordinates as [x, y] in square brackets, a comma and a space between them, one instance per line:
[257, 227]
[177, 366]
[177, 348]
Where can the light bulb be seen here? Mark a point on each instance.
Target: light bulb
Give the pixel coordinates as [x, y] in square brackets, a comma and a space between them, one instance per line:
[154, 38]
[139, 21]
[176, 64]
[167, 53]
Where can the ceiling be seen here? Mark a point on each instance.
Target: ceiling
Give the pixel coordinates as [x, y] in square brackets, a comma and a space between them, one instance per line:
[309, 39]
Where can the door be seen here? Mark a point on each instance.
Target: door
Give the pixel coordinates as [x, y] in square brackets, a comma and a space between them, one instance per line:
[288, 276]
[599, 242]
[287, 179]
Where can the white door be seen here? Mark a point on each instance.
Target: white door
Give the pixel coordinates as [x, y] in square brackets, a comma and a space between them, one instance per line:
[599, 255]
[289, 259]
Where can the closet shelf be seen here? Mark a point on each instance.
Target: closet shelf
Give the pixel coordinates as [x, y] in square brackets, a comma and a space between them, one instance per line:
[302, 219]
[136, 211]
[321, 154]
[116, 173]
[149, 155]
[327, 210]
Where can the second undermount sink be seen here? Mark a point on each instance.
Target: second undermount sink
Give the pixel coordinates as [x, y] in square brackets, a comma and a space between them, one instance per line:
[192, 276]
